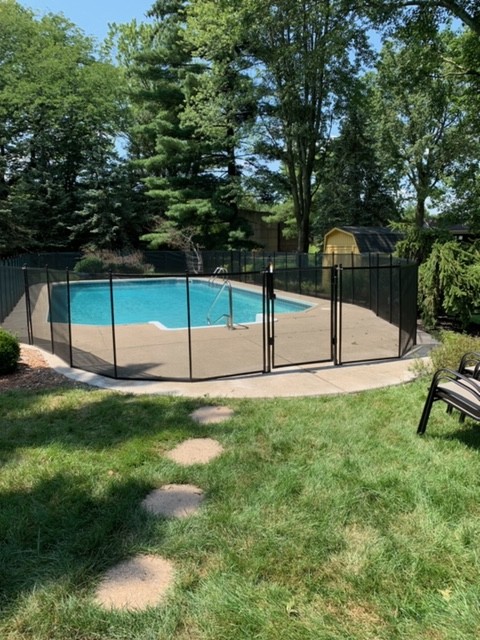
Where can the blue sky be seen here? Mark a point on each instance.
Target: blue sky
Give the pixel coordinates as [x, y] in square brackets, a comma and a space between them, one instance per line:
[93, 16]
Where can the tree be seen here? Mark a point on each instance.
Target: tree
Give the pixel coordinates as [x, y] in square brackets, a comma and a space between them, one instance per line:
[112, 212]
[420, 118]
[450, 283]
[441, 13]
[180, 157]
[302, 55]
[355, 188]
[466, 11]
[61, 110]
[222, 108]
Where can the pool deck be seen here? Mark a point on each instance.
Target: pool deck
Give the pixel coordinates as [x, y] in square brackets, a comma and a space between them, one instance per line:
[322, 379]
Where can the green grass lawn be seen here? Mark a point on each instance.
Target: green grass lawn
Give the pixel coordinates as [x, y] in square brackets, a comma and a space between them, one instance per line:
[324, 519]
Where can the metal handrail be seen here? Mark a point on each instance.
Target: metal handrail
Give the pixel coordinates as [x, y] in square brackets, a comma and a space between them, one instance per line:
[217, 272]
[226, 283]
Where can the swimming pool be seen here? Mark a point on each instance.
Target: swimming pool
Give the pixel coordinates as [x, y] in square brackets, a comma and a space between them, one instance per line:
[161, 301]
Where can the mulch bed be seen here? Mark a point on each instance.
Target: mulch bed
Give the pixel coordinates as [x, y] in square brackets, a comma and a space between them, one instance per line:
[34, 374]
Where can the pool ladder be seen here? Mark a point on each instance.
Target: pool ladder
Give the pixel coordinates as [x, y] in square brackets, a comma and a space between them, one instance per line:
[221, 272]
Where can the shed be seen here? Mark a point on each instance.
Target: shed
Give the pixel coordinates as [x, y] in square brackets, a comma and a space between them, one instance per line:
[462, 233]
[361, 240]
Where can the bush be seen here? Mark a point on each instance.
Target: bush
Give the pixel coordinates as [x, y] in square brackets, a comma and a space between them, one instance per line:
[449, 283]
[105, 261]
[9, 352]
[453, 345]
[90, 264]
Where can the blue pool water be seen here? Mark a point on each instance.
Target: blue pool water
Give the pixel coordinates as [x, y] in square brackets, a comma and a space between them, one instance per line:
[159, 300]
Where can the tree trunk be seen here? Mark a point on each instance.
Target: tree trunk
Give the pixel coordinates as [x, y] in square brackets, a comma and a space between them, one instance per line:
[420, 212]
[303, 229]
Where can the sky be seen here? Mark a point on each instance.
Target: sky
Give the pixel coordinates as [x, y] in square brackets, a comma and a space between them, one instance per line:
[93, 16]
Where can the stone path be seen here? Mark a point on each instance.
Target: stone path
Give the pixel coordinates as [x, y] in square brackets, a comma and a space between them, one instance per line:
[174, 500]
[137, 583]
[211, 415]
[195, 451]
[144, 580]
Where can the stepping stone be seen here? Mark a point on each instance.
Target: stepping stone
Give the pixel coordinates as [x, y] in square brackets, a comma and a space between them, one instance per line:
[211, 415]
[195, 451]
[137, 583]
[174, 500]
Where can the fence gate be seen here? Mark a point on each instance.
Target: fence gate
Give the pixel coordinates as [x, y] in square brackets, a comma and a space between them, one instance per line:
[361, 313]
[306, 337]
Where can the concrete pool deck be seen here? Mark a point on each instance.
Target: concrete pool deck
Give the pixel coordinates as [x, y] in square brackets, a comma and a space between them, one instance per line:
[295, 381]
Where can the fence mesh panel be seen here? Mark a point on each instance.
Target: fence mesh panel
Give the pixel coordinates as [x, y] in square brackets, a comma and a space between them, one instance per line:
[227, 342]
[304, 336]
[12, 290]
[408, 307]
[369, 319]
[150, 350]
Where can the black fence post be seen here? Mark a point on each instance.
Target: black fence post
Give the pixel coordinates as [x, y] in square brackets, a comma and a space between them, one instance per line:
[112, 312]
[265, 325]
[400, 313]
[189, 329]
[353, 278]
[9, 296]
[50, 318]
[333, 314]
[69, 315]
[370, 281]
[28, 305]
[269, 297]
[390, 311]
[339, 314]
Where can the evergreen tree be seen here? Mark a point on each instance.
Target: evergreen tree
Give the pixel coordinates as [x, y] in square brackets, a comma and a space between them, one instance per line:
[113, 210]
[179, 157]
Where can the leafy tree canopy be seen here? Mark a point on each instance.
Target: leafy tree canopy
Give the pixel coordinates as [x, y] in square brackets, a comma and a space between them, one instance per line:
[61, 109]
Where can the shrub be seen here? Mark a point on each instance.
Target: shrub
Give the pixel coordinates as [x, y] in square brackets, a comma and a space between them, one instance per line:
[449, 283]
[9, 352]
[453, 345]
[90, 264]
[104, 261]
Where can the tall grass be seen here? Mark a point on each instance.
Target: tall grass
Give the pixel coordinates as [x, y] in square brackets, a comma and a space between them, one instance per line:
[324, 518]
